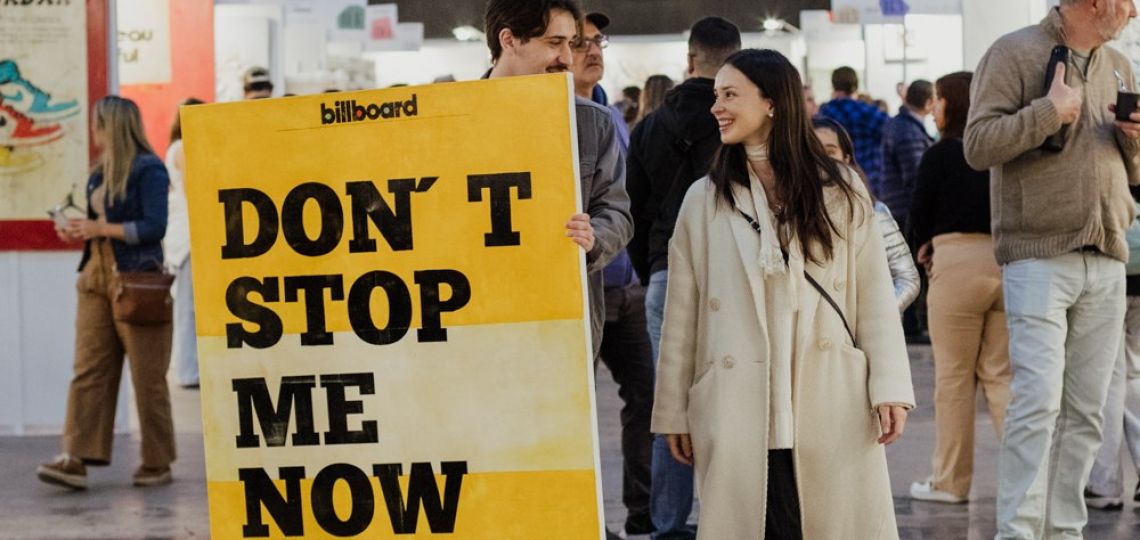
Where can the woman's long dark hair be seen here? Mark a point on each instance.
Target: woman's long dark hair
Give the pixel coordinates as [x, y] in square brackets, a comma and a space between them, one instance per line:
[801, 164]
[955, 89]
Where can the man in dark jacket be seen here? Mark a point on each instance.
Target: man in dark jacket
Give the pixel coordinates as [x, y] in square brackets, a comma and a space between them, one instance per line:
[670, 149]
[904, 142]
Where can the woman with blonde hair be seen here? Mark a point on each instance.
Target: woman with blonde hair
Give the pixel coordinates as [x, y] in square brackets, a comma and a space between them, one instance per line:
[123, 231]
[782, 369]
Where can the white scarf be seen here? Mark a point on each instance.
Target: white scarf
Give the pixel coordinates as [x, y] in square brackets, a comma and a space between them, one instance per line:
[771, 259]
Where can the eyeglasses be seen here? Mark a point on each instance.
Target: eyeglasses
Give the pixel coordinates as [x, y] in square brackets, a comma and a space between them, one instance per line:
[583, 44]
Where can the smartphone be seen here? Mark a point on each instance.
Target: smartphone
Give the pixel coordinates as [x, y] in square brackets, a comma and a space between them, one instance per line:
[58, 218]
[1059, 55]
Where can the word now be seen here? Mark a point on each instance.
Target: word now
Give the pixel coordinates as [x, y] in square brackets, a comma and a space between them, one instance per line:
[287, 509]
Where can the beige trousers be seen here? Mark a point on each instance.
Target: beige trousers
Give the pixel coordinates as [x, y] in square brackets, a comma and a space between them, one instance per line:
[971, 346]
[100, 344]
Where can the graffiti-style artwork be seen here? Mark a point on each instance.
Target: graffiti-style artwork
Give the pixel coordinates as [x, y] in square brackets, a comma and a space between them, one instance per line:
[29, 117]
[43, 106]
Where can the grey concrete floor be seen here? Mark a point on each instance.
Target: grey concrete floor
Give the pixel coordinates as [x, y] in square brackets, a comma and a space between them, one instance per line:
[111, 508]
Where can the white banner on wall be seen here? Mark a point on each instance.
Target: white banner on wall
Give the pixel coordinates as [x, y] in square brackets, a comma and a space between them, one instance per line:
[340, 20]
[143, 41]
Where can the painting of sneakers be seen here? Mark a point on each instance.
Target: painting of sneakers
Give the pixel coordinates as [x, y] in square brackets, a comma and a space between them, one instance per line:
[19, 131]
[18, 92]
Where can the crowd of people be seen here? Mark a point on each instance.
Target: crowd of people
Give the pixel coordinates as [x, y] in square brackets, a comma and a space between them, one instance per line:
[756, 263]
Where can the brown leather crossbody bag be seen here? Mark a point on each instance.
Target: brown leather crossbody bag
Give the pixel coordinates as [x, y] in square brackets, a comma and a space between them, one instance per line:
[143, 298]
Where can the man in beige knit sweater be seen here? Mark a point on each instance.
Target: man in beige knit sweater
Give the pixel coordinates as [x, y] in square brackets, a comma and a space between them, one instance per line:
[1058, 220]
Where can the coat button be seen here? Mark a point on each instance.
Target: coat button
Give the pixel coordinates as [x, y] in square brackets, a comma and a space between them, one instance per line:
[825, 344]
[839, 284]
[729, 361]
[714, 305]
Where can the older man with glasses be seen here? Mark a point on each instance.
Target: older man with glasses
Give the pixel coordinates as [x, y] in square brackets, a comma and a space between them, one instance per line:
[625, 337]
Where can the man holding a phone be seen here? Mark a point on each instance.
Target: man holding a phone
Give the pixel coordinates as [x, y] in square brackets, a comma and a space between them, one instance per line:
[1060, 209]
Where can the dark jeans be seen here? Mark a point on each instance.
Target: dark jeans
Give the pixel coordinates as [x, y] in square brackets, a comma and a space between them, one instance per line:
[782, 521]
[627, 354]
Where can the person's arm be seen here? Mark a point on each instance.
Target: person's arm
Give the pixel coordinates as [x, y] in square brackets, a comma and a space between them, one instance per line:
[609, 203]
[87, 229]
[877, 325]
[154, 185]
[904, 275]
[678, 352]
[909, 154]
[153, 188]
[638, 187]
[180, 163]
[1128, 136]
[999, 129]
[920, 221]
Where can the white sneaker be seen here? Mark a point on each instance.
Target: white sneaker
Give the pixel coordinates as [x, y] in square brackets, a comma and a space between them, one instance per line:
[1102, 502]
[924, 491]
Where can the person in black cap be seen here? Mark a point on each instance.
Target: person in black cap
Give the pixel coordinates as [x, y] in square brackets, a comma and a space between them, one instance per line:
[257, 84]
[625, 339]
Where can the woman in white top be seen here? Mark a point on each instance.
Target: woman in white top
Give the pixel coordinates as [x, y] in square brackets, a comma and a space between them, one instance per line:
[782, 368]
[176, 248]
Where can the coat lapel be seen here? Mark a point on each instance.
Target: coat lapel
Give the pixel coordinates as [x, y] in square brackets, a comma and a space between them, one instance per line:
[810, 300]
[747, 248]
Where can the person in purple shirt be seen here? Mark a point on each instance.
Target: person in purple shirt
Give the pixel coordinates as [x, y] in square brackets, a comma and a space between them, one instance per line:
[863, 121]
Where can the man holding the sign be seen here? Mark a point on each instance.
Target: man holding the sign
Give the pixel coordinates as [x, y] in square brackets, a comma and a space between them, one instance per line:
[529, 37]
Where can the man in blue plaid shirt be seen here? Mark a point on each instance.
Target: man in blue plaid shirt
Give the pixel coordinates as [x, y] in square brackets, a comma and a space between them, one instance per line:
[864, 122]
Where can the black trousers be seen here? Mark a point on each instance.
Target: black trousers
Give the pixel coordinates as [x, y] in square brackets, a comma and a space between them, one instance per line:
[627, 354]
[782, 521]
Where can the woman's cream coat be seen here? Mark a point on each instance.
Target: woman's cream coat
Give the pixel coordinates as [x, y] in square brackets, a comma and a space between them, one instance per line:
[713, 379]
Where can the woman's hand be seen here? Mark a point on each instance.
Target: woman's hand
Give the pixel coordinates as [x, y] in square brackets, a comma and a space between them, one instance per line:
[892, 421]
[85, 229]
[925, 257]
[681, 446]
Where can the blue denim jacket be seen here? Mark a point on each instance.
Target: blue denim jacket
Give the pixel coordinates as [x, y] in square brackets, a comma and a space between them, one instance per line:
[142, 212]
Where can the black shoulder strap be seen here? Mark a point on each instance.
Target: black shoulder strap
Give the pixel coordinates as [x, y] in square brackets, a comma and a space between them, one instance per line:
[831, 301]
[815, 284]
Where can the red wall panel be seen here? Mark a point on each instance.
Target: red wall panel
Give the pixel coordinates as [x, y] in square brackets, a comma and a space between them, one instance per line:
[192, 70]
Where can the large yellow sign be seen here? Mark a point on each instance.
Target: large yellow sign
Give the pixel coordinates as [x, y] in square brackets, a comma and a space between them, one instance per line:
[391, 320]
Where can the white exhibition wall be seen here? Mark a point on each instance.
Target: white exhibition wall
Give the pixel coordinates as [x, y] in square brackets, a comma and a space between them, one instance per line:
[37, 342]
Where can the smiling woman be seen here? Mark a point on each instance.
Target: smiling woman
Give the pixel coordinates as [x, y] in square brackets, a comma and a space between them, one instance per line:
[748, 326]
